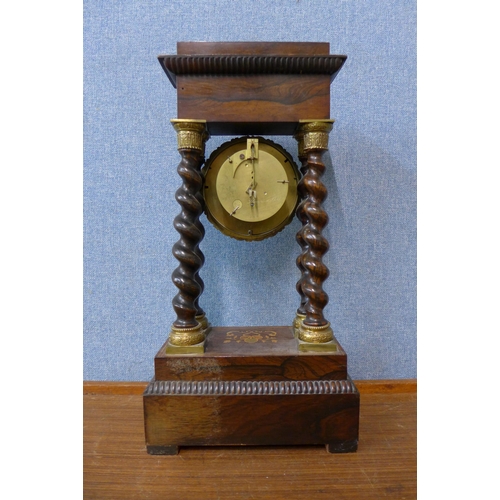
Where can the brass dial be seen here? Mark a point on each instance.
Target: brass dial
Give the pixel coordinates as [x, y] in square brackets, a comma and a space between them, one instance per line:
[250, 188]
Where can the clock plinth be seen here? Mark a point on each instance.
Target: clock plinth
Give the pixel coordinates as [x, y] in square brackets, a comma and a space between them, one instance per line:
[283, 385]
[251, 387]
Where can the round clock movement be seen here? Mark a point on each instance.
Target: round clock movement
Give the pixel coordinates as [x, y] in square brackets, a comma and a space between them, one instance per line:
[250, 188]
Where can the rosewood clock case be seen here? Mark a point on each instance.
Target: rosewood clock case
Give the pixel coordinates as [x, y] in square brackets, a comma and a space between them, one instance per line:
[269, 385]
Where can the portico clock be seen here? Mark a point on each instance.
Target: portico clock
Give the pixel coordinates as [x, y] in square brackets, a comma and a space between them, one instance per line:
[242, 385]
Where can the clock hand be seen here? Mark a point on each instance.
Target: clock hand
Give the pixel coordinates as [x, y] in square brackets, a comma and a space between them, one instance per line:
[252, 154]
[251, 190]
[252, 193]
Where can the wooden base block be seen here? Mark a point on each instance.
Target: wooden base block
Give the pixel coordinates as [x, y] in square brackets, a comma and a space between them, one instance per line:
[261, 394]
[163, 450]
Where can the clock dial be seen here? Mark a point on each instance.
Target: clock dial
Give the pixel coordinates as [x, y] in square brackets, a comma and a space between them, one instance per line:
[253, 201]
[250, 188]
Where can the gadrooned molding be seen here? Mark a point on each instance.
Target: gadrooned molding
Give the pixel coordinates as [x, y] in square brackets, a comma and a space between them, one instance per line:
[241, 388]
[183, 65]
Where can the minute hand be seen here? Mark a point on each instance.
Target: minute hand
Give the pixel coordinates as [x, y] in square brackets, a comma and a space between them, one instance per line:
[251, 190]
[252, 152]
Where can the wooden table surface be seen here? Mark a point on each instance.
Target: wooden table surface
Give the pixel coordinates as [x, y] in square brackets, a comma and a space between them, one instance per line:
[116, 465]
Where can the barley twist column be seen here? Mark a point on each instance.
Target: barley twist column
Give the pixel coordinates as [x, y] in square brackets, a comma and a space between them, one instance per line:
[312, 137]
[189, 327]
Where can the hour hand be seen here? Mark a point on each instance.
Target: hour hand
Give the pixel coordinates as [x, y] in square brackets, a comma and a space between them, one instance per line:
[252, 193]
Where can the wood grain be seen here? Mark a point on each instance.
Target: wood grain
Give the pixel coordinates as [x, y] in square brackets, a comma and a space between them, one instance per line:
[254, 87]
[269, 353]
[314, 219]
[249, 48]
[256, 99]
[116, 464]
[252, 420]
[185, 277]
[251, 386]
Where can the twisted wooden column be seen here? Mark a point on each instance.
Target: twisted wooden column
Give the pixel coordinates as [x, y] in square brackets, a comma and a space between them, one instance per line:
[312, 137]
[189, 327]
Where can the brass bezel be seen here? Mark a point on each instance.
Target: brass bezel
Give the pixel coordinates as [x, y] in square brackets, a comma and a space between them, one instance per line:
[231, 226]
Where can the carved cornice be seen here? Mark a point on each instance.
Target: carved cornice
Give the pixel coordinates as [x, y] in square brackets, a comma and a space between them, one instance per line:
[178, 65]
[249, 388]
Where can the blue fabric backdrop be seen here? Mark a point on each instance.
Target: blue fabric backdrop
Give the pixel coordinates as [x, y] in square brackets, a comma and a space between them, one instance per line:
[130, 161]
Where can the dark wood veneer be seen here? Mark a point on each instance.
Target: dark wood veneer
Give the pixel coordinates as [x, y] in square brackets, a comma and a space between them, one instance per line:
[253, 420]
[249, 88]
[251, 386]
[252, 48]
[244, 361]
[242, 99]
